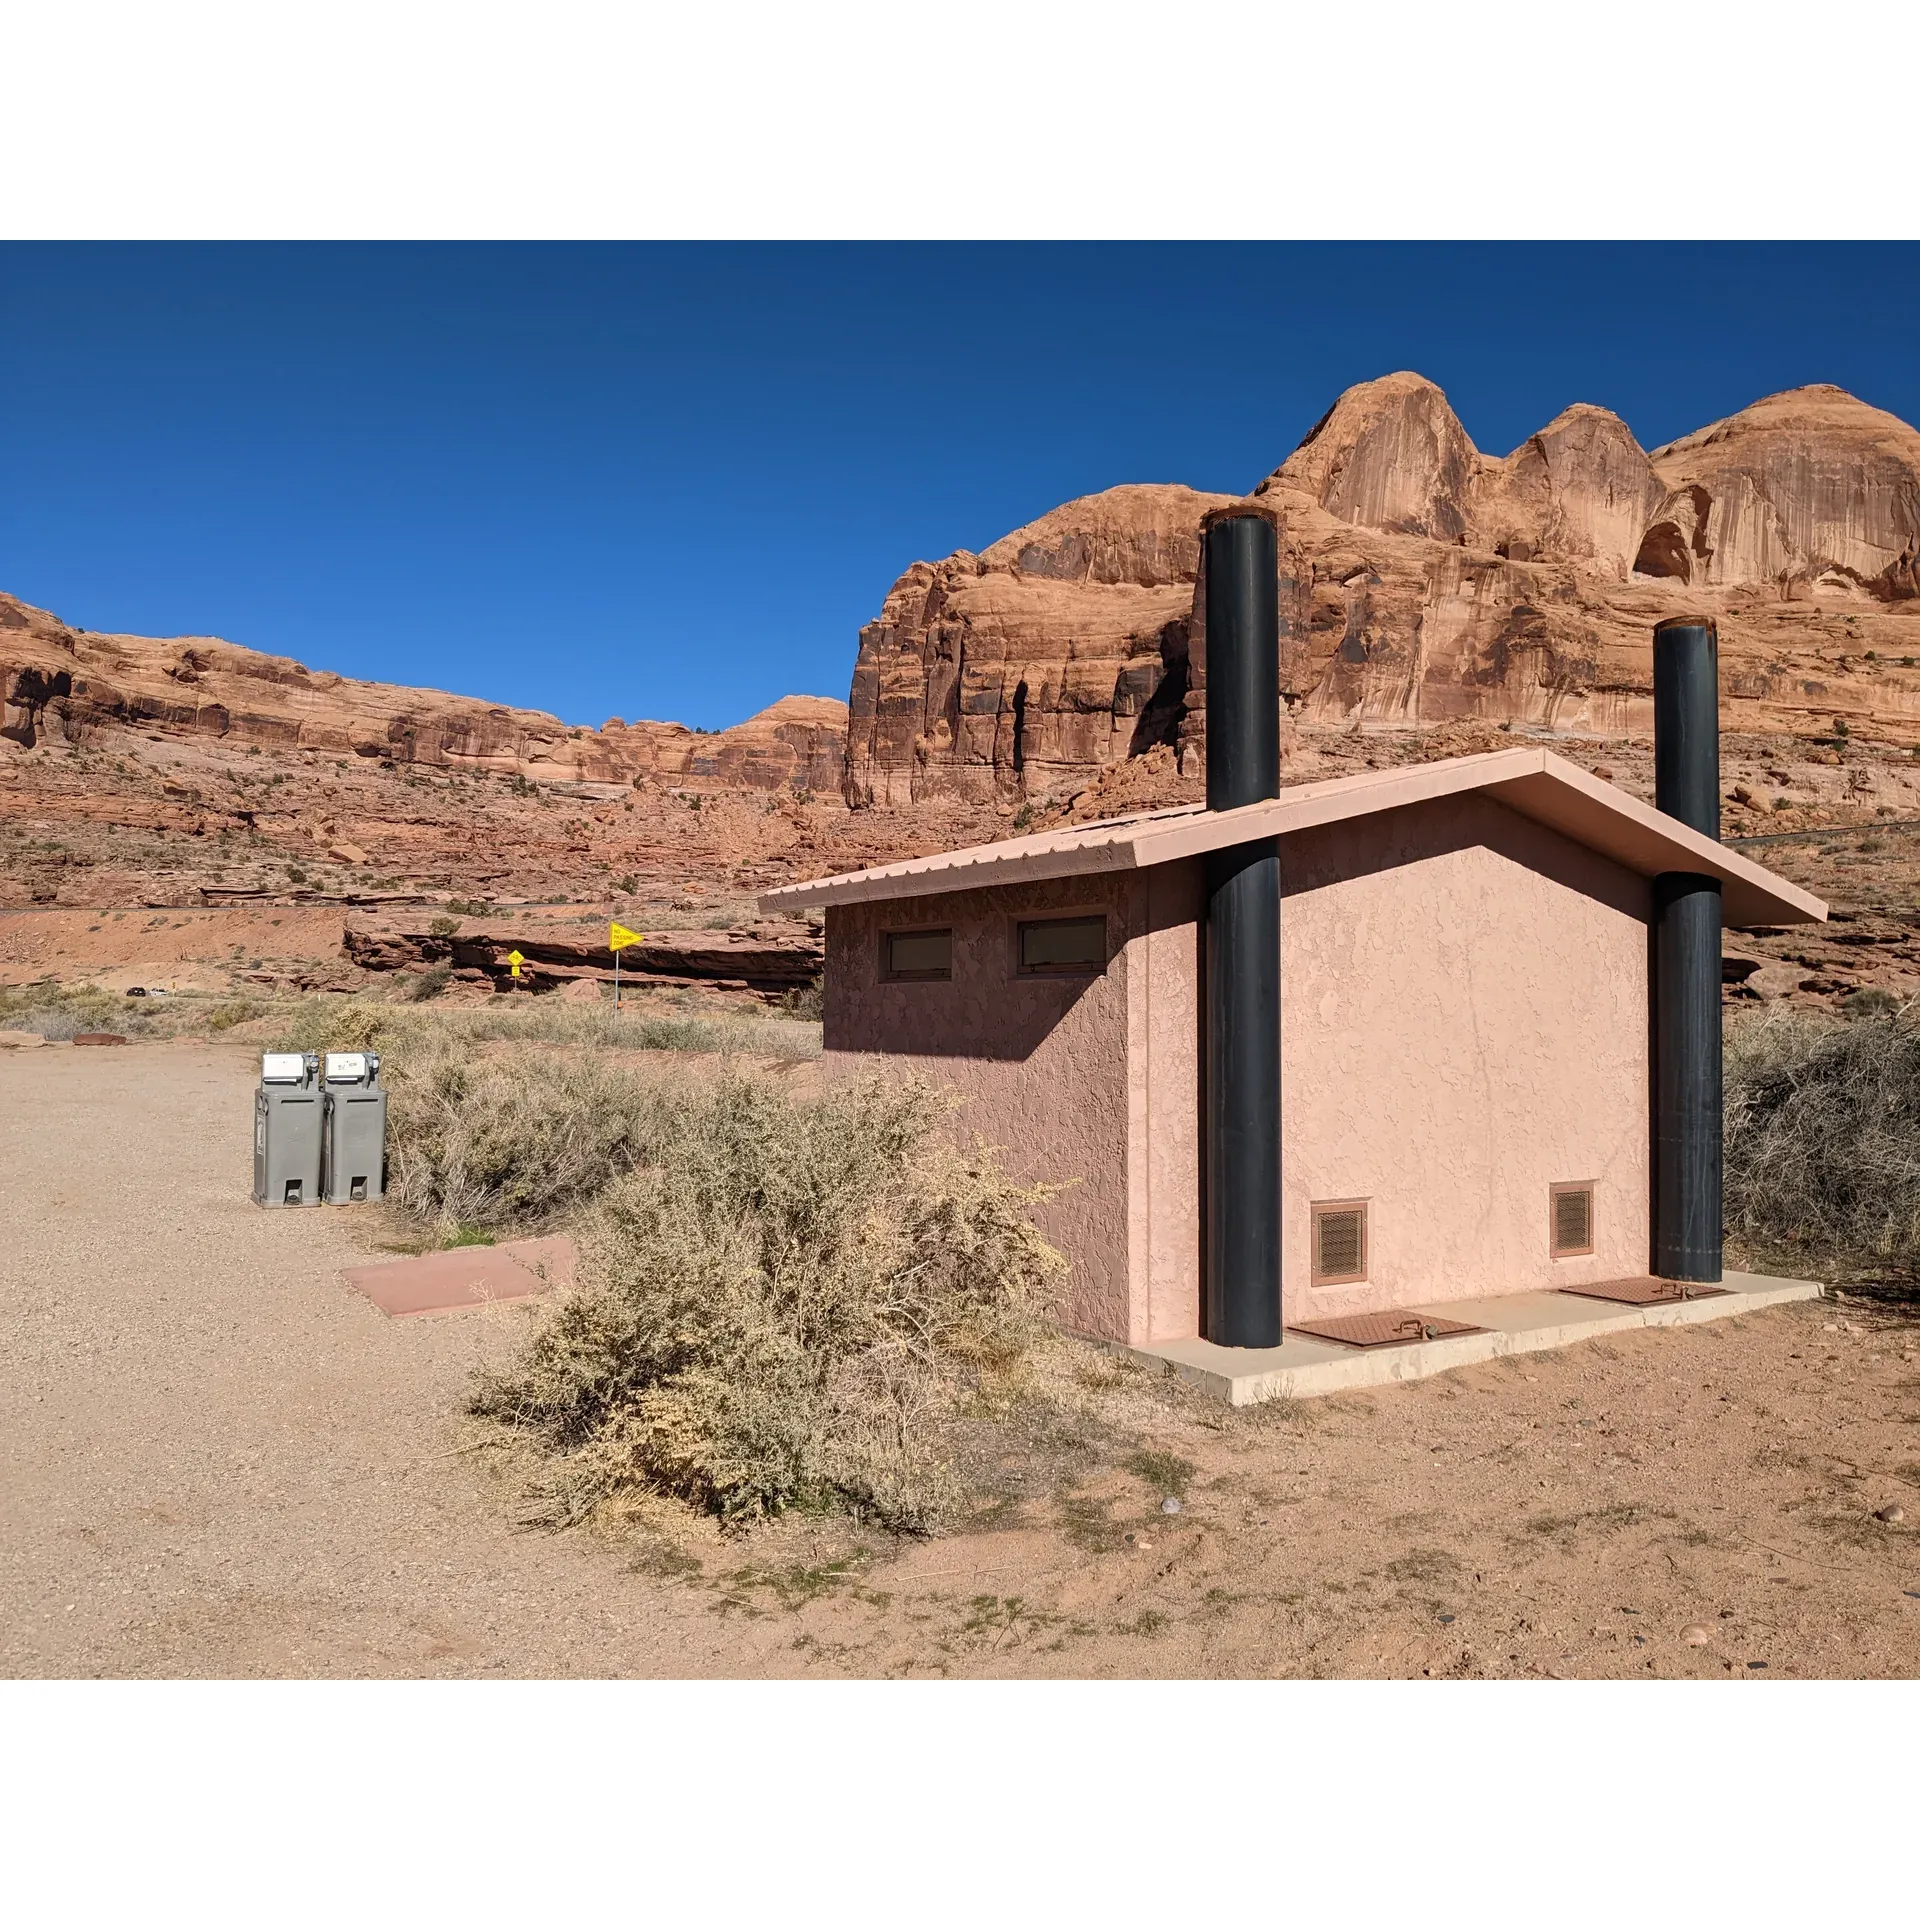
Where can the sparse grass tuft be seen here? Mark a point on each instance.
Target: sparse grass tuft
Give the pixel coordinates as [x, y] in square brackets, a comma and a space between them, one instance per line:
[1165, 1473]
[786, 1303]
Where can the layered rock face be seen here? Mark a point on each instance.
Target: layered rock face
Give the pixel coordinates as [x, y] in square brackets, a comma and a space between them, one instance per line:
[1811, 490]
[58, 681]
[1058, 650]
[1421, 582]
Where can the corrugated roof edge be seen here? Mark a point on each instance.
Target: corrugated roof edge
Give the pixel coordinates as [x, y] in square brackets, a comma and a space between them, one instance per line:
[1531, 780]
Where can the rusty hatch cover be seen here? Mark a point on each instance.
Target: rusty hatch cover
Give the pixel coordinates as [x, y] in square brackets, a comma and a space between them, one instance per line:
[1404, 1329]
[1644, 1291]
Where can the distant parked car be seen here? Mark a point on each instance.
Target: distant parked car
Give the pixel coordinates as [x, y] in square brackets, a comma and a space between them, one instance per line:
[136, 993]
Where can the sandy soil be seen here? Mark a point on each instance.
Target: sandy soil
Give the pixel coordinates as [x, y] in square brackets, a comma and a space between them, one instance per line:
[223, 1463]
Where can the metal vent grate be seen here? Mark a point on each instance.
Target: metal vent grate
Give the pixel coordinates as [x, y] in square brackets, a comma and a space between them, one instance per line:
[1339, 1241]
[1572, 1209]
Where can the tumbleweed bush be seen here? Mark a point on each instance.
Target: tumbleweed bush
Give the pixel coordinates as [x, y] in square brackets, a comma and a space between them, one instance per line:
[1823, 1132]
[781, 1305]
[506, 1139]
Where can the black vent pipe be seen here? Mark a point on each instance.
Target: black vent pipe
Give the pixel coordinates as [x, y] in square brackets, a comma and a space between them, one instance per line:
[1686, 959]
[1243, 936]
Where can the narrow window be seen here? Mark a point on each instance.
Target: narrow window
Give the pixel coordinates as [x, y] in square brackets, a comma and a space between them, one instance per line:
[1339, 1241]
[1063, 946]
[924, 953]
[1570, 1211]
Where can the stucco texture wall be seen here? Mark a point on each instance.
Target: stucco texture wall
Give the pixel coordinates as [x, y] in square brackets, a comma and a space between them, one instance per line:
[1464, 1023]
[1042, 1064]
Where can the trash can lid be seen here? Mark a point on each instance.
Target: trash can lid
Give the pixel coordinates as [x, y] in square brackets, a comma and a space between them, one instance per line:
[283, 1069]
[346, 1066]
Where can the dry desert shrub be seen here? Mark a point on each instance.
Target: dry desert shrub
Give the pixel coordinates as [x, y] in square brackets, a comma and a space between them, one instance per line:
[58, 1013]
[392, 1027]
[1823, 1132]
[782, 1305]
[505, 1140]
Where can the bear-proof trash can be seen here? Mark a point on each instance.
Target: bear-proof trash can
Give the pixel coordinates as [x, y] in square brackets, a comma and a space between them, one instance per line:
[287, 1131]
[356, 1129]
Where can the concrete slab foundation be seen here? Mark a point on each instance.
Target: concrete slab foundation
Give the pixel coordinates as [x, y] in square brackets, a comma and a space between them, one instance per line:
[1516, 1323]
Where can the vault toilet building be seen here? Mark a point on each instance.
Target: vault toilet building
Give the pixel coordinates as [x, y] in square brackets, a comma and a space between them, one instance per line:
[1404, 1039]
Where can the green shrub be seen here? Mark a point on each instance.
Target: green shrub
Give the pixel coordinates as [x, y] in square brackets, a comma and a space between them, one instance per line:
[430, 984]
[783, 1303]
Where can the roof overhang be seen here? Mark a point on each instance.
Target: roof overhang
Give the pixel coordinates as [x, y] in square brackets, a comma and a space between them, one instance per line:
[1529, 780]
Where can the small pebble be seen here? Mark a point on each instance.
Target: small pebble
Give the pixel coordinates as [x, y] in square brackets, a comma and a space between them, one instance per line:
[1697, 1636]
[1447, 1619]
[1756, 1666]
[1169, 1505]
[1891, 1516]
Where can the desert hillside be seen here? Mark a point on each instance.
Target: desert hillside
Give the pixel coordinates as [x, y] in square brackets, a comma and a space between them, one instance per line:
[1422, 582]
[1434, 599]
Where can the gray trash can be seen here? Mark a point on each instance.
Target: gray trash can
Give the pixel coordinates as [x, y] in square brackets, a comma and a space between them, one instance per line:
[356, 1129]
[287, 1131]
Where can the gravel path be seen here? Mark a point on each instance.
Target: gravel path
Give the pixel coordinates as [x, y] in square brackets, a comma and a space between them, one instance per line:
[220, 1461]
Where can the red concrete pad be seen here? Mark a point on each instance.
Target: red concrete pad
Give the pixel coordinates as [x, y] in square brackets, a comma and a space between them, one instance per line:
[466, 1276]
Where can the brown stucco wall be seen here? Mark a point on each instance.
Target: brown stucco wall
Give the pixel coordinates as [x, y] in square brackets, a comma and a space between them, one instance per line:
[1464, 1022]
[1042, 1064]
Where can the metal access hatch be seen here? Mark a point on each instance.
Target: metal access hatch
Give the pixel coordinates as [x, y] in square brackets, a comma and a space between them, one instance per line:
[1402, 1329]
[1643, 1290]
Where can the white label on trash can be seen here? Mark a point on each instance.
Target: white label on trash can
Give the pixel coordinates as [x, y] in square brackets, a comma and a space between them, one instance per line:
[283, 1069]
[346, 1066]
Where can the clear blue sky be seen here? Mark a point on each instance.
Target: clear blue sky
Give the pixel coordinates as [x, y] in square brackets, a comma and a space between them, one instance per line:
[672, 482]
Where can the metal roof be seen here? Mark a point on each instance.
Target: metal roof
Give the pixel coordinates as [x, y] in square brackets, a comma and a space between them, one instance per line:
[1530, 780]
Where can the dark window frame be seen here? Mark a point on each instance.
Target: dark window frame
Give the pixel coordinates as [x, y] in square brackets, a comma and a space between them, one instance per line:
[1076, 972]
[916, 976]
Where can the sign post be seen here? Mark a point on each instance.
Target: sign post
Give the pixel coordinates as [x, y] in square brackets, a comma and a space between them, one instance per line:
[514, 959]
[619, 937]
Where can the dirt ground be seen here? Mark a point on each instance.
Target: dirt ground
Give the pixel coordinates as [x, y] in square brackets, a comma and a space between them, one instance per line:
[221, 1462]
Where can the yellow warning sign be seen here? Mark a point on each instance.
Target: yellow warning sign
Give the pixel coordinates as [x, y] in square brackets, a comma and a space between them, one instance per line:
[514, 959]
[619, 936]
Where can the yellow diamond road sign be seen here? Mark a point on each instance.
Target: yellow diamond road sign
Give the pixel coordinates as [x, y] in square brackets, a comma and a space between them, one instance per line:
[619, 936]
[514, 959]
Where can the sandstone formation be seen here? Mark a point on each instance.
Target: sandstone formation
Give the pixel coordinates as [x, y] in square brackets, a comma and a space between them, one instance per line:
[1422, 583]
[1060, 649]
[58, 681]
[1810, 490]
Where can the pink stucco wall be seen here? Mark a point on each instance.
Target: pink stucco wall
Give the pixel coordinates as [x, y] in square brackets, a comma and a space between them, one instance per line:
[1464, 1023]
[1041, 1064]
